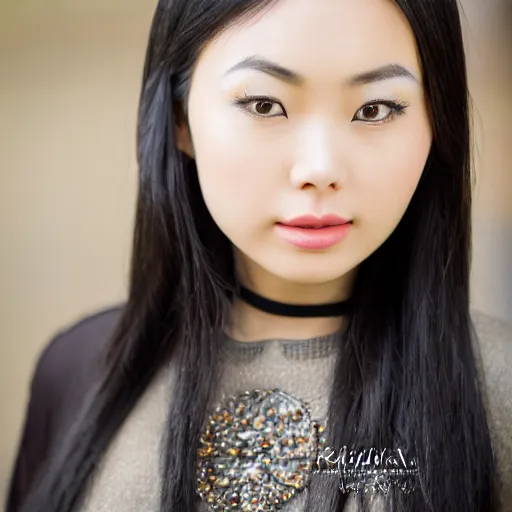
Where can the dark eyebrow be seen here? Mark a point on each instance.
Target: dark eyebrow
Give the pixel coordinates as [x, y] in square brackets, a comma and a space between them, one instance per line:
[265, 66]
[382, 73]
[282, 73]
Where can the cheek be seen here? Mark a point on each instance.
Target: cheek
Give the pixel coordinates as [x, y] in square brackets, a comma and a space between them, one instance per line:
[386, 183]
[236, 173]
[238, 170]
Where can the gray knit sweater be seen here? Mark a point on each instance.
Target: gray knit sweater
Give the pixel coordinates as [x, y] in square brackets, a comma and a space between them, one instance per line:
[128, 479]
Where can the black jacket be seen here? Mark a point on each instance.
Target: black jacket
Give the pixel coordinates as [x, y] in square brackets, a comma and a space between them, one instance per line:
[65, 371]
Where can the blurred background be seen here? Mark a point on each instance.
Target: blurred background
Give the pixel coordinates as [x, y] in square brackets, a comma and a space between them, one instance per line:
[69, 82]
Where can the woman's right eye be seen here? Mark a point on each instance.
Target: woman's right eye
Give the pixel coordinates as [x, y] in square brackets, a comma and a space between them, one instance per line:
[261, 106]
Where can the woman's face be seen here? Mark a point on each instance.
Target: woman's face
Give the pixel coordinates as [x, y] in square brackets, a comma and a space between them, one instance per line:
[314, 108]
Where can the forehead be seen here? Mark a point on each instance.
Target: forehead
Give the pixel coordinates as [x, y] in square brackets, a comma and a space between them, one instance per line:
[323, 40]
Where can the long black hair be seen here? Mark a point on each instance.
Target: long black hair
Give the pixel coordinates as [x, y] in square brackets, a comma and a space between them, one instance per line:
[406, 374]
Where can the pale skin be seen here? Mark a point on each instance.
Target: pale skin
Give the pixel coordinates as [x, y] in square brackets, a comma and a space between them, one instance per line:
[346, 132]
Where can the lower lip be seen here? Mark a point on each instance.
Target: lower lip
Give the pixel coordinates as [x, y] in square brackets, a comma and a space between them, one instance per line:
[313, 239]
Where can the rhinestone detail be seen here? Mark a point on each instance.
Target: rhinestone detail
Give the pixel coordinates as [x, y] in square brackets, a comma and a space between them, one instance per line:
[259, 450]
[256, 452]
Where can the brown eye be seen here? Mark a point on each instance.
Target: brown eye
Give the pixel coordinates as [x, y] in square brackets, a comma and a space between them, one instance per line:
[379, 112]
[260, 106]
[374, 113]
[370, 112]
[263, 108]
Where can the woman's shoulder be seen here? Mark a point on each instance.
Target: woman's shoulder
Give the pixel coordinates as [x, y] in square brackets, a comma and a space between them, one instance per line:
[65, 371]
[494, 337]
[72, 360]
[81, 342]
[495, 342]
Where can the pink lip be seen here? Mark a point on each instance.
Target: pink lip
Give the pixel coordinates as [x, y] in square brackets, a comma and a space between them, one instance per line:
[309, 232]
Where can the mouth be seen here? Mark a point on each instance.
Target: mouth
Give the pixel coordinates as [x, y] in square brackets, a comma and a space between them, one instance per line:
[314, 233]
[311, 222]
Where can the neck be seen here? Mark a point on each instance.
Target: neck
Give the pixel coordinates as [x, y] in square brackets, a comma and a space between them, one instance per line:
[251, 324]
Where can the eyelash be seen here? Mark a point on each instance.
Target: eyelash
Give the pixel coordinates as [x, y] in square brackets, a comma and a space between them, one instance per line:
[244, 100]
[397, 108]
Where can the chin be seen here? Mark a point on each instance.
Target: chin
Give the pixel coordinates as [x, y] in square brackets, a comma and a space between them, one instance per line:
[308, 274]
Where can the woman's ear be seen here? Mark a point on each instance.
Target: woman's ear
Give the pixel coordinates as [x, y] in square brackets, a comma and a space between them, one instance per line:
[182, 131]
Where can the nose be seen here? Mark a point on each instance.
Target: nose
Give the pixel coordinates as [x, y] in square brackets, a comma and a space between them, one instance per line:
[316, 165]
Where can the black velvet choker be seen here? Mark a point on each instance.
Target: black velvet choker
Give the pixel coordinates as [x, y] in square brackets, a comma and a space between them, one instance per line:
[293, 310]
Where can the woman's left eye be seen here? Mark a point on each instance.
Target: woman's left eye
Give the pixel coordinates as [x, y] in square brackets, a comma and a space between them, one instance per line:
[379, 112]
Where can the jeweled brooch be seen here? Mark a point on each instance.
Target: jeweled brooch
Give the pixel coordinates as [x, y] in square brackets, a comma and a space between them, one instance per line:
[260, 449]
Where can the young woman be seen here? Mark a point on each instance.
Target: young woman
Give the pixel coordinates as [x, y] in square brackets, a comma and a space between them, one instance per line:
[297, 334]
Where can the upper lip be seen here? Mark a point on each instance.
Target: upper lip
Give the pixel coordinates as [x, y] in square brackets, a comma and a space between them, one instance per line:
[310, 221]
